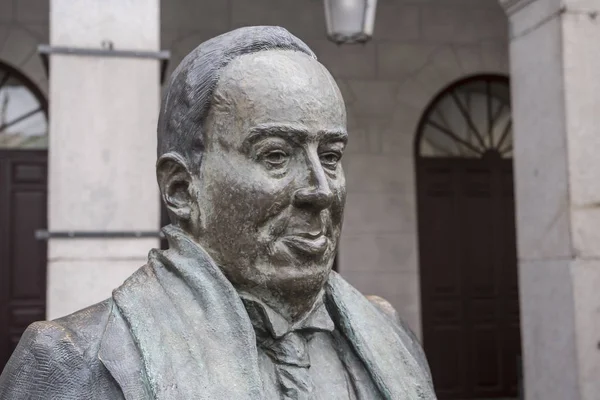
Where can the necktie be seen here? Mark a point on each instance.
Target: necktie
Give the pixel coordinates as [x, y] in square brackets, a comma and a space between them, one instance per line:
[290, 355]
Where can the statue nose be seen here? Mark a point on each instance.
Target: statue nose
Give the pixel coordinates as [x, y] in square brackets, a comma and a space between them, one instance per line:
[313, 197]
[313, 190]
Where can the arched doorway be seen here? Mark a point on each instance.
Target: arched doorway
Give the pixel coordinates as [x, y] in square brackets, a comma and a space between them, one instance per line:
[23, 199]
[467, 246]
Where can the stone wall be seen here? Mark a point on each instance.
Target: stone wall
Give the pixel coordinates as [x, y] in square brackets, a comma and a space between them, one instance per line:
[24, 25]
[420, 46]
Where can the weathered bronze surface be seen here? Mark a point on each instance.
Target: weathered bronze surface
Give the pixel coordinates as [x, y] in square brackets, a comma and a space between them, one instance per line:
[243, 304]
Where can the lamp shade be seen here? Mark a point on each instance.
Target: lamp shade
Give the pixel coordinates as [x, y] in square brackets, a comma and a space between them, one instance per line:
[350, 21]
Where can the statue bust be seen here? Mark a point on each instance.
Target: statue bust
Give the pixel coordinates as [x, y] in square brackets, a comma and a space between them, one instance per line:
[244, 304]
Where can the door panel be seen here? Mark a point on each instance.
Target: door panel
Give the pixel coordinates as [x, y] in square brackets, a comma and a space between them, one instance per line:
[468, 266]
[23, 199]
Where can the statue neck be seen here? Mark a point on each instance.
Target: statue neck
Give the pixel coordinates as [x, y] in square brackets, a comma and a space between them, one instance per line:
[291, 300]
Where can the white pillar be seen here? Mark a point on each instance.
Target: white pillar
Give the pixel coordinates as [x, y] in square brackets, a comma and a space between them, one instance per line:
[102, 150]
[555, 72]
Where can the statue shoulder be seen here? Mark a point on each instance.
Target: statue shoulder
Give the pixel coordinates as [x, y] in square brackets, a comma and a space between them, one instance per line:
[54, 357]
[384, 306]
[412, 341]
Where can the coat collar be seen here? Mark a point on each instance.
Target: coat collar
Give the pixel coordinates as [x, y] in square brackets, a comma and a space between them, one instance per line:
[266, 319]
[396, 365]
[121, 357]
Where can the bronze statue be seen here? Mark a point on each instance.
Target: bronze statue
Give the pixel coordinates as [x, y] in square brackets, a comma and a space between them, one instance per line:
[243, 304]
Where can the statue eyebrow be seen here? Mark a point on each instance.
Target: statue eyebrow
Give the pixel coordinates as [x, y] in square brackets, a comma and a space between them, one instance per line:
[292, 133]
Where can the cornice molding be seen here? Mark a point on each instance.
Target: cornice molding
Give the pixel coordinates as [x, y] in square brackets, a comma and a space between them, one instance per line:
[512, 6]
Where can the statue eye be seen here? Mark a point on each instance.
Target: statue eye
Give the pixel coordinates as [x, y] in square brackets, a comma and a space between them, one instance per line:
[330, 159]
[275, 158]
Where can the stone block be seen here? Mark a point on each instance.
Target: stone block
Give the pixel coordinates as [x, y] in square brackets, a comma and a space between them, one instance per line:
[102, 164]
[100, 249]
[79, 284]
[469, 57]
[367, 173]
[542, 219]
[306, 19]
[399, 61]
[365, 134]
[130, 25]
[7, 11]
[540, 157]
[434, 79]
[169, 38]
[582, 5]
[42, 83]
[446, 63]
[548, 330]
[363, 141]
[5, 29]
[386, 285]
[446, 24]
[581, 60]
[405, 120]
[373, 98]
[350, 117]
[494, 57]
[585, 222]
[441, 24]
[586, 281]
[34, 70]
[396, 22]
[32, 10]
[39, 30]
[493, 4]
[19, 47]
[347, 93]
[195, 15]
[346, 61]
[416, 94]
[400, 143]
[371, 213]
[378, 253]
[532, 15]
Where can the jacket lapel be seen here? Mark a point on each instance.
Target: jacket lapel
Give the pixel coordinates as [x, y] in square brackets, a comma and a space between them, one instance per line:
[384, 347]
[121, 357]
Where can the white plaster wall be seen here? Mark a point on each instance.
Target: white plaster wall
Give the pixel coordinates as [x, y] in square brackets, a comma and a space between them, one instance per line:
[420, 46]
[103, 114]
[24, 25]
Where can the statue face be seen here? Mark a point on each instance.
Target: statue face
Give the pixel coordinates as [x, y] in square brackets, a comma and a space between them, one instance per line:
[271, 188]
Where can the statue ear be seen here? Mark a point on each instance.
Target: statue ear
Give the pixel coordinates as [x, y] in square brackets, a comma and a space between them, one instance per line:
[174, 180]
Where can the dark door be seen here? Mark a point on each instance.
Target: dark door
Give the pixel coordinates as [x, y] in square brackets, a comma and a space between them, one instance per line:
[467, 246]
[469, 276]
[23, 193]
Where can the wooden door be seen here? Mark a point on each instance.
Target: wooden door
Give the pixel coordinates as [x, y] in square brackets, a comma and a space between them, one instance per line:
[467, 247]
[23, 193]
[469, 283]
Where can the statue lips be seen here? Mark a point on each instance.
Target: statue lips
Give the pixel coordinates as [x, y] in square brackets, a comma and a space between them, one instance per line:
[307, 243]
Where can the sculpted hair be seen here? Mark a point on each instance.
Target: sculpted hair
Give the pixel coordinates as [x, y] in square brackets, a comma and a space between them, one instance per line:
[188, 97]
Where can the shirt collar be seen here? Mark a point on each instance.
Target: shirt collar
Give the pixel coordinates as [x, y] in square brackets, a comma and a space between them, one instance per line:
[266, 319]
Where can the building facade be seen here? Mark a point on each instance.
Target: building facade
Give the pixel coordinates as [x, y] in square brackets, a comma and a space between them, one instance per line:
[430, 221]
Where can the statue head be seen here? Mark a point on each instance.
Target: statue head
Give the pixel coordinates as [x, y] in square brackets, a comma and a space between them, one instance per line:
[250, 136]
